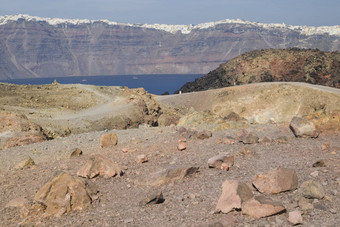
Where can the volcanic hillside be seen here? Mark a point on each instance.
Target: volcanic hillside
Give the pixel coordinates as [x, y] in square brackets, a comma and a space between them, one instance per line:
[299, 65]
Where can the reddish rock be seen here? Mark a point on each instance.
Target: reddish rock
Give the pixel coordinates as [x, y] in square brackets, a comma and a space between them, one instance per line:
[97, 165]
[204, 135]
[234, 194]
[24, 140]
[301, 127]
[325, 146]
[224, 166]
[18, 131]
[125, 150]
[141, 158]
[65, 193]
[241, 134]
[295, 217]
[108, 140]
[182, 145]
[261, 206]
[276, 180]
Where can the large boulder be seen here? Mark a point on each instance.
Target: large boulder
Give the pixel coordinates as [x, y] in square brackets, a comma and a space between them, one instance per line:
[234, 194]
[276, 180]
[301, 127]
[65, 193]
[98, 165]
[261, 206]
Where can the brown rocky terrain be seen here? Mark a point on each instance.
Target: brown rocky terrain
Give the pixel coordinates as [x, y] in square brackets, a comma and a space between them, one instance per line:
[41, 47]
[300, 65]
[253, 155]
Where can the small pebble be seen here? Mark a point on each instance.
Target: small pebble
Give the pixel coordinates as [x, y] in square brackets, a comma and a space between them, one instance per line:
[333, 211]
[315, 174]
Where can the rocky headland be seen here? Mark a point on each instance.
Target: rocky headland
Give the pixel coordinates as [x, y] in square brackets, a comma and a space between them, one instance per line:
[299, 65]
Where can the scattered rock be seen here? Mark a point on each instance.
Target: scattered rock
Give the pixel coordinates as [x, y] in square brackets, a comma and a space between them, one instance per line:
[295, 217]
[282, 139]
[325, 146]
[265, 140]
[261, 206]
[333, 211]
[155, 198]
[301, 127]
[182, 145]
[338, 180]
[240, 135]
[227, 140]
[315, 174]
[76, 152]
[224, 166]
[306, 205]
[97, 165]
[108, 140]
[320, 206]
[142, 158]
[26, 163]
[276, 180]
[250, 139]
[65, 193]
[320, 163]
[17, 202]
[234, 194]
[245, 152]
[181, 130]
[216, 161]
[204, 135]
[171, 175]
[311, 189]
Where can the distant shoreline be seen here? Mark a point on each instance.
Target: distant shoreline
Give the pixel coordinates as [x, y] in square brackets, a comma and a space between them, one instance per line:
[152, 83]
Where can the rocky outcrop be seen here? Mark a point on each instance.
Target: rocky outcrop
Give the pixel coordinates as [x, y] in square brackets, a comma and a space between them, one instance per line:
[17, 130]
[310, 66]
[74, 47]
[65, 193]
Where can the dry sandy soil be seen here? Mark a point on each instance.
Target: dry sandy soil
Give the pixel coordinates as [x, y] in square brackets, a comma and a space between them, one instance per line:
[191, 201]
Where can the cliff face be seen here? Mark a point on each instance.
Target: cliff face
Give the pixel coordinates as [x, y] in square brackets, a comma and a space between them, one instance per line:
[40, 47]
[310, 66]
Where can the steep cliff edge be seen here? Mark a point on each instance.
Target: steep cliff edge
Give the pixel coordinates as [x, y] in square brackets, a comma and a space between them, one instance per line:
[45, 47]
[311, 66]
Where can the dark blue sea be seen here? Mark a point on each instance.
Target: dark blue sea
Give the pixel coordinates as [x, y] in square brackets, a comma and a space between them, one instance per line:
[155, 84]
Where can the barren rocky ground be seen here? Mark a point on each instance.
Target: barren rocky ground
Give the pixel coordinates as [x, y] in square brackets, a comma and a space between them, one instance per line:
[189, 200]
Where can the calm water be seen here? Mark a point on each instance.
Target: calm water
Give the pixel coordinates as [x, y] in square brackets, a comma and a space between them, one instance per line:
[155, 84]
